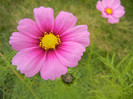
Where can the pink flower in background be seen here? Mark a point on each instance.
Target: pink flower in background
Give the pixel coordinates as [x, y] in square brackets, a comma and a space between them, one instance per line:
[48, 45]
[111, 9]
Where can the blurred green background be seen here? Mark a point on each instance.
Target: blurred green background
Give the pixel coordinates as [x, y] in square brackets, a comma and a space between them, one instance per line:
[105, 70]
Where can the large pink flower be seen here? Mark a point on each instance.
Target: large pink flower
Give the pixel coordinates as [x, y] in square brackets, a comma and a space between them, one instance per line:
[111, 9]
[48, 45]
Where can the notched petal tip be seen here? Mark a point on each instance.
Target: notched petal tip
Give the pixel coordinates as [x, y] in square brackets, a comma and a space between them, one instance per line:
[71, 15]
[99, 5]
[40, 8]
[113, 20]
[44, 18]
[52, 78]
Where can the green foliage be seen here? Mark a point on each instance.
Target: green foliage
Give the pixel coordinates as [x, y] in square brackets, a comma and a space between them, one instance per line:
[100, 74]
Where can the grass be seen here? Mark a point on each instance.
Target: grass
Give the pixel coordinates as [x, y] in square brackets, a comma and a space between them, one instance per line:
[105, 70]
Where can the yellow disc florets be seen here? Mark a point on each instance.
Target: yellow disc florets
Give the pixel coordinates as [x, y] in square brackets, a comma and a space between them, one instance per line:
[109, 11]
[49, 41]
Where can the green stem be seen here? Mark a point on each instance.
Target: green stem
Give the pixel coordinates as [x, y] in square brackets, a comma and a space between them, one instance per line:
[14, 71]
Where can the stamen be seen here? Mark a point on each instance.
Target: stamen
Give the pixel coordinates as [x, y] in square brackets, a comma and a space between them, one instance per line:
[49, 41]
[109, 11]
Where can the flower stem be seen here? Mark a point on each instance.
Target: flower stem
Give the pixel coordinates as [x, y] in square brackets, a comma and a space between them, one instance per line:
[14, 71]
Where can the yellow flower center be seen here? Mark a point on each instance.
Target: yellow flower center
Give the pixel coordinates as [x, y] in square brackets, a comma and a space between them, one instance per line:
[49, 41]
[109, 11]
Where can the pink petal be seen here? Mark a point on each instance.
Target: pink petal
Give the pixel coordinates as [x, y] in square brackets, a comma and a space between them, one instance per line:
[113, 20]
[116, 4]
[44, 18]
[77, 34]
[107, 3]
[64, 21]
[105, 15]
[20, 41]
[69, 53]
[99, 6]
[52, 67]
[29, 60]
[119, 12]
[36, 65]
[29, 28]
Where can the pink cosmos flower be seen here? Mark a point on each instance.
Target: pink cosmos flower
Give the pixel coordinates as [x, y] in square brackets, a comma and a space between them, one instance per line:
[48, 45]
[111, 9]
